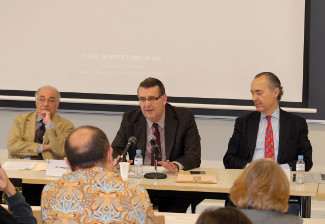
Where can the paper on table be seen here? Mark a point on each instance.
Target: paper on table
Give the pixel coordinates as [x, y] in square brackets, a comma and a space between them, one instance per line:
[56, 167]
[18, 165]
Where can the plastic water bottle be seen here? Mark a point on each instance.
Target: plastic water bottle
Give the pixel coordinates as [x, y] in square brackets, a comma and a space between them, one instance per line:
[300, 168]
[138, 164]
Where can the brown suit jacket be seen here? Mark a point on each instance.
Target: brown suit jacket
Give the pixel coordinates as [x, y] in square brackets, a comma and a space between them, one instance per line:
[21, 137]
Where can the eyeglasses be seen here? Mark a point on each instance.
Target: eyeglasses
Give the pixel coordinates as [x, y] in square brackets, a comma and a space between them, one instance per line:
[150, 99]
[50, 100]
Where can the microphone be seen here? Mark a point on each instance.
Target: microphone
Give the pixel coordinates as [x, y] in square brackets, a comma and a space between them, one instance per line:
[155, 146]
[132, 140]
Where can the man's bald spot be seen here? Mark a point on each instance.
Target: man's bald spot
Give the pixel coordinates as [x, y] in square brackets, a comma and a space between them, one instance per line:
[80, 139]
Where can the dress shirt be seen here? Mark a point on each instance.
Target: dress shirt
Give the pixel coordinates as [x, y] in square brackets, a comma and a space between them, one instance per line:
[150, 131]
[260, 141]
[39, 124]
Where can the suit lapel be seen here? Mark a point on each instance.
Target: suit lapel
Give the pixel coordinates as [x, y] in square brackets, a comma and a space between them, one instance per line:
[140, 129]
[170, 131]
[252, 129]
[31, 125]
[283, 135]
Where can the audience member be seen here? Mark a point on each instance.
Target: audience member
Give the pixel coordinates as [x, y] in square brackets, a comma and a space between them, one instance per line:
[227, 215]
[262, 193]
[92, 192]
[21, 211]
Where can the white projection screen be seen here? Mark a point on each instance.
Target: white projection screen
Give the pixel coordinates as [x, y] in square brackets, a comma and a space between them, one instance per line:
[198, 48]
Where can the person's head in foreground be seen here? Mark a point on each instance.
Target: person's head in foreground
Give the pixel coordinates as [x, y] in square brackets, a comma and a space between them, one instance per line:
[87, 147]
[229, 215]
[263, 185]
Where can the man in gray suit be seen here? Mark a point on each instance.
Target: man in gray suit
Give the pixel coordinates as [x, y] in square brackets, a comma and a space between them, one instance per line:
[176, 132]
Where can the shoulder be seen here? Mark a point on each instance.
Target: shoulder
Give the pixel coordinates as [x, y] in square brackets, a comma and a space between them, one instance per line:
[26, 116]
[287, 115]
[132, 116]
[179, 112]
[268, 216]
[251, 116]
[58, 118]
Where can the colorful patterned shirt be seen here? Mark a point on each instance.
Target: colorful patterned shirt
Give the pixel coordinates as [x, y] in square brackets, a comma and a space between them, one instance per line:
[95, 195]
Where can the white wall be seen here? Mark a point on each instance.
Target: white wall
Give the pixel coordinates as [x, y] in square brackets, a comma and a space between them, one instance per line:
[215, 133]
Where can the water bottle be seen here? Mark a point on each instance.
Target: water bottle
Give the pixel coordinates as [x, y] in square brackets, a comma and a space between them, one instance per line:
[138, 164]
[300, 168]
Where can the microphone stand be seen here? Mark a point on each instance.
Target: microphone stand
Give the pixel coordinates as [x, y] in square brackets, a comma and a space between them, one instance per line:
[155, 175]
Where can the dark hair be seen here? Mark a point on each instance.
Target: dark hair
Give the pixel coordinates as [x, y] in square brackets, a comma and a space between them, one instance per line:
[152, 82]
[229, 215]
[91, 152]
[274, 82]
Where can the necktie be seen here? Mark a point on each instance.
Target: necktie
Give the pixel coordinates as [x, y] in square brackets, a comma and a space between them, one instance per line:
[269, 143]
[39, 133]
[157, 135]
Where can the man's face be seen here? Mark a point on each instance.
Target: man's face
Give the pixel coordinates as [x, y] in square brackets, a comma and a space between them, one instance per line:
[264, 98]
[155, 109]
[47, 100]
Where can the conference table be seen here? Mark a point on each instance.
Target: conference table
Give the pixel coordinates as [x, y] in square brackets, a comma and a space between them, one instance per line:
[321, 191]
[219, 190]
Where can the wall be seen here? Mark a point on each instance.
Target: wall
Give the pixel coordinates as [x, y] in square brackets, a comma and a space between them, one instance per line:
[215, 133]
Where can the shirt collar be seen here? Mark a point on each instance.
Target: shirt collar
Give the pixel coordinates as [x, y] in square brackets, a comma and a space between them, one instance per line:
[275, 114]
[161, 122]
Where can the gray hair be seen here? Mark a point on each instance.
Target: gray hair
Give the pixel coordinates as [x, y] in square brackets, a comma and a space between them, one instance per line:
[57, 92]
[274, 82]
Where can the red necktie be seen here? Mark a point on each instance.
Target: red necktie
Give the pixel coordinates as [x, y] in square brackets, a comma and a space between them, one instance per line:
[269, 143]
[157, 135]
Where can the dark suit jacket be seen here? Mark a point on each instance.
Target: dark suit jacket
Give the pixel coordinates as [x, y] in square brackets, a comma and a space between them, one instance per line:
[182, 139]
[293, 141]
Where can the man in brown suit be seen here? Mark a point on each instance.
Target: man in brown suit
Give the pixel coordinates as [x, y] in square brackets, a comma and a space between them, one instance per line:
[40, 134]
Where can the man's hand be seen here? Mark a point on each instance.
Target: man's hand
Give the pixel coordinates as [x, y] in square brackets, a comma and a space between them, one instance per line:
[172, 167]
[45, 116]
[118, 165]
[5, 184]
[46, 147]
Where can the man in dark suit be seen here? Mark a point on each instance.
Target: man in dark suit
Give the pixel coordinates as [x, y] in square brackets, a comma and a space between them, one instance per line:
[269, 132]
[176, 127]
[290, 132]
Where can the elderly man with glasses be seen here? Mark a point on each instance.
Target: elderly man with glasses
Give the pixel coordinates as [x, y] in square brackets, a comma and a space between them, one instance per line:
[40, 134]
[174, 128]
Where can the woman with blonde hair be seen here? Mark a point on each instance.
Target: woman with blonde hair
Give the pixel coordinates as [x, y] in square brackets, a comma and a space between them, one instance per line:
[262, 193]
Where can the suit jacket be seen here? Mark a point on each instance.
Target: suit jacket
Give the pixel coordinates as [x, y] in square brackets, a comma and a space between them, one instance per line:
[293, 141]
[182, 139]
[21, 137]
[270, 217]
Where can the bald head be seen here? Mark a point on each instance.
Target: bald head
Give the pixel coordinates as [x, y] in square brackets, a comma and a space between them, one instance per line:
[86, 147]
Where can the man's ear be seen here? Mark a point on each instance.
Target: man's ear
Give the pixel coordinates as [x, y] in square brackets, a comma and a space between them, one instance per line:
[110, 155]
[276, 92]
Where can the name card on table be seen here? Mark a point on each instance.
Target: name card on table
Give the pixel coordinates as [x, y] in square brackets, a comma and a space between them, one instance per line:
[56, 167]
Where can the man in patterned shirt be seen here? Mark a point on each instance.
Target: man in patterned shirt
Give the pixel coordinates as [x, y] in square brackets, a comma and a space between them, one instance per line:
[92, 193]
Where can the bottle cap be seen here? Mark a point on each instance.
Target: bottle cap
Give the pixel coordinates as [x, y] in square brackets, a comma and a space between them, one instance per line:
[138, 151]
[300, 157]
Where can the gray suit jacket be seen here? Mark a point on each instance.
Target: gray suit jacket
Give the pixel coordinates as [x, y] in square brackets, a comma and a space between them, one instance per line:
[270, 217]
[293, 141]
[182, 139]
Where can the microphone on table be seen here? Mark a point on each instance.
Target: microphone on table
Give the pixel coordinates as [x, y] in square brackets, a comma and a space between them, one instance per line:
[132, 140]
[157, 154]
[155, 147]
